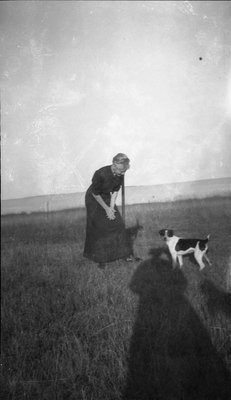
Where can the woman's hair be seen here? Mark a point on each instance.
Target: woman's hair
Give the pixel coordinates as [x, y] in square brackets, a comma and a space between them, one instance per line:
[121, 158]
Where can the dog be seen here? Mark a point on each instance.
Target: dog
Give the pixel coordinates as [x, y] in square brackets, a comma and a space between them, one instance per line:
[179, 247]
[131, 235]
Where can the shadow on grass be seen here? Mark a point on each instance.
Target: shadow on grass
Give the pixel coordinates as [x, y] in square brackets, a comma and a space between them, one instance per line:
[217, 299]
[171, 355]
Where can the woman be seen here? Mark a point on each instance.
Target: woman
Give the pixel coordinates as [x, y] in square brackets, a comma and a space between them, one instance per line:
[105, 234]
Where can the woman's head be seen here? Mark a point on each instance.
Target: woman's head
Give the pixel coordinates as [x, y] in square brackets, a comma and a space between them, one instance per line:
[120, 164]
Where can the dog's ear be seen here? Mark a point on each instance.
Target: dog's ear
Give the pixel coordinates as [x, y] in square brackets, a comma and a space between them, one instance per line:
[170, 233]
[162, 232]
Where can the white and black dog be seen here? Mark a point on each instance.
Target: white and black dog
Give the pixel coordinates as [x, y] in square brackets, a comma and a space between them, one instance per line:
[178, 247]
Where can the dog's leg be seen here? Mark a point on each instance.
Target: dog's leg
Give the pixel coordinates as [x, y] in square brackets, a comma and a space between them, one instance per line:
[198, 256]
[174, 260]
[180, 259]
[207, 259]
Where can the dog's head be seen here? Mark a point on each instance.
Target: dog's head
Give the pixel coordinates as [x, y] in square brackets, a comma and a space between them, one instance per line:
[166, 233]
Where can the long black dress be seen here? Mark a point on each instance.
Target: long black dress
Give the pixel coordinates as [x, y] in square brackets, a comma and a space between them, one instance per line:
[105, 239]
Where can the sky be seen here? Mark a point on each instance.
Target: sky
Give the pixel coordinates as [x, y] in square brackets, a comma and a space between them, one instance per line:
[84, 80]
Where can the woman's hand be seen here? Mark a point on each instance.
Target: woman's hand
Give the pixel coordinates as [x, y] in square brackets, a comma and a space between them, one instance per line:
[110, 213]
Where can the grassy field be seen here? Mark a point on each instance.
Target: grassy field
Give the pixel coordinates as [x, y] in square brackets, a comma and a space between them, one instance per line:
[137, 330]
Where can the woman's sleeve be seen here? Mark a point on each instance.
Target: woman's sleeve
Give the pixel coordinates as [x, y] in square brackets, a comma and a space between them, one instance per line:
[118, 186]
[97, 183]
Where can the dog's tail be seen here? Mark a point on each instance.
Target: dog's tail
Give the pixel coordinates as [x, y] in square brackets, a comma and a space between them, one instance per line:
[208, 238]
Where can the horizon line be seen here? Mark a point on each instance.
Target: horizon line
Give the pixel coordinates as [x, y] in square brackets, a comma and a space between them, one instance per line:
[153, 184]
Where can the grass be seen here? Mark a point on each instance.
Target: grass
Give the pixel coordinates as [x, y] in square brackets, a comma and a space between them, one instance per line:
[132, 331]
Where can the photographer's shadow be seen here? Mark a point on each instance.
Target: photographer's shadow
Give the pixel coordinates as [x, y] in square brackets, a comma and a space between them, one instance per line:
[171, 355]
